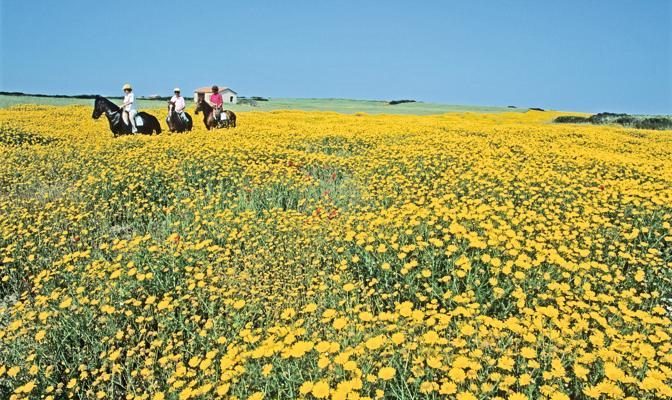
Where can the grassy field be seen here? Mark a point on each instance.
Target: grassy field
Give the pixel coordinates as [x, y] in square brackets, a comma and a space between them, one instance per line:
[336, 105]
[331, 256]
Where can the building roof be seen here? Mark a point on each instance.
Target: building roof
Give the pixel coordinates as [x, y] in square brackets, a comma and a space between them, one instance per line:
[208, 89]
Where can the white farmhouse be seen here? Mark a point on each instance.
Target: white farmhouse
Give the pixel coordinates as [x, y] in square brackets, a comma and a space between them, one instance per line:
[228, 94]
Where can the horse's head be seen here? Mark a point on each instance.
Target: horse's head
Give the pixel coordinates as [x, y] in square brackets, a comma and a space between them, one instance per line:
[103, 106]
[199, 106]
[97, 108]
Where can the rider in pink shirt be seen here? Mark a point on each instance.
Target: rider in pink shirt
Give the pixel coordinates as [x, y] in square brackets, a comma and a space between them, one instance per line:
[216, 101]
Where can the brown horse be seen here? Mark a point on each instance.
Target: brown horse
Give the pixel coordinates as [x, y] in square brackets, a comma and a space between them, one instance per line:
[209, 116]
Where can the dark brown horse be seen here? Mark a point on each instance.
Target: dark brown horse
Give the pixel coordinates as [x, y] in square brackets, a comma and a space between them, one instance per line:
[102, 106]
[209, 116]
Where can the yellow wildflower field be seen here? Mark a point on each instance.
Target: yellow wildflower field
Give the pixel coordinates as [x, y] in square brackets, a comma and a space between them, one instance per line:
[329, 256]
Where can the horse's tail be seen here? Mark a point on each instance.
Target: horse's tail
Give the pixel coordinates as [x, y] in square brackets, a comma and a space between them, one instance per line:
[190, 122]
[233, 118]
[157, 125]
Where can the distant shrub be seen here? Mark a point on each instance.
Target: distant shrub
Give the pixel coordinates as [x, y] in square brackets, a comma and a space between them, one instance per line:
[393, 102]
[55, 96]
[628, 120]
[631, 121]
[536, 109]
[511, 107]
[571, 119]
[156, 97]
[658, 123]
[605, 118]
[246, 101]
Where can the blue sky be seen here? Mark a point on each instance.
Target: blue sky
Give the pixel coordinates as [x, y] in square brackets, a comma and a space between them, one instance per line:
[568, 55]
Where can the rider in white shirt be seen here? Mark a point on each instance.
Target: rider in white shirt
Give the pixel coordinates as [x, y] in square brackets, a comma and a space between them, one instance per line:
[179, 104]
[128, 109]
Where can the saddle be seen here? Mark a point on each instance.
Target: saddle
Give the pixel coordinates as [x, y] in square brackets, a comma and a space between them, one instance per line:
[183, 117]
[139, 121]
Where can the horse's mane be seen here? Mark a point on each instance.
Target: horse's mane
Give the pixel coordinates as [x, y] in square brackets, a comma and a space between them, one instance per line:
[109, 103]
[205, 105]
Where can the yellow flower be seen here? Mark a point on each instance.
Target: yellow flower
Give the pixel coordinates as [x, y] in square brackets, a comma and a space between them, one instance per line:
[223, 389]
[580, 371]
[466, 396]
[12, 372]
[398, 338]
[323, 362]
[524, 379]
[427, 387]
[434, 362]
[256, 396]
[306, 387]
[205, 364]
[186, 393]
[65, 303]
[320, 389]
[386, 373]
[430, 337]
[114, 355]
[528, 352]
[613, 372]
[300, 348]
[448, 388]
[340, 323]
[375, 342]
[39, 336]
[506, 363]
[28, 387]
[457, 375]
[309, 308]
[559, 396]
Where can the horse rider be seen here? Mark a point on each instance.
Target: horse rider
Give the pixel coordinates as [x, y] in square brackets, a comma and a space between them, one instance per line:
[178, 104]
[128, 109]
[216, 102]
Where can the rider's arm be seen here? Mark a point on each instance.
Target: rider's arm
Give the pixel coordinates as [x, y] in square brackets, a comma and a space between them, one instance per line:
[130, 102]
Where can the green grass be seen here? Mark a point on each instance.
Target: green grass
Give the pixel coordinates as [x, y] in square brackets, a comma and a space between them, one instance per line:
[345, 106]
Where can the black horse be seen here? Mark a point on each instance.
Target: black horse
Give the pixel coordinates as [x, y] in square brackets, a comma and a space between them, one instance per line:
[113, 113]
[175, 123]
[209, 116]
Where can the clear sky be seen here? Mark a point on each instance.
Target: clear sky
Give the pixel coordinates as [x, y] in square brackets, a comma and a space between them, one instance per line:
[595, 55]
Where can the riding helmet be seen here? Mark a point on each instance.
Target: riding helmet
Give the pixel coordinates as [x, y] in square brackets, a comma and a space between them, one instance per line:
[177, 89]
[215, 88]
[127, 86]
